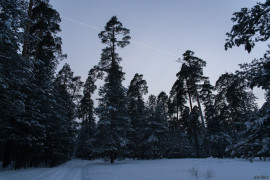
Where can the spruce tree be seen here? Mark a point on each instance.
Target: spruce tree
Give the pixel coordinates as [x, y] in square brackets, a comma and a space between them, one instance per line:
[60, 128]
[44, 50]
[72, 85]
[86, 137]
[162, 100]
[137, 112]
[67, 93]
[114, 122]
[156, 140]
[41, 129]
[255, 141]
[15, 75]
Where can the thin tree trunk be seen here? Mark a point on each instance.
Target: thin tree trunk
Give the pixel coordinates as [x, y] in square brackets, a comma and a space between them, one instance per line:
[212, 112]
[190, 102]
[27, 29]
[199, 105]
[189, 95]
[38, 47]
[198, 100]
[177, 111]
[112, 157]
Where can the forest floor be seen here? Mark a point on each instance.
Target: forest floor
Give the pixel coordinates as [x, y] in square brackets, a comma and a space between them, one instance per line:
[163, 169]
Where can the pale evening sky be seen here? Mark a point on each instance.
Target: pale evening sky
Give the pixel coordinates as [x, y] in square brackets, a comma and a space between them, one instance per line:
[161, 31]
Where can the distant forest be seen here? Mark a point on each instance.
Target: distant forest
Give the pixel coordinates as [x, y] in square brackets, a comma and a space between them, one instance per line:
[48, 117]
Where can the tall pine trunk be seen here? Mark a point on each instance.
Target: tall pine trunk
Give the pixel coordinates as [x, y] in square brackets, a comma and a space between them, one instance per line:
[200, 109]
[27, 29]
[189, 95]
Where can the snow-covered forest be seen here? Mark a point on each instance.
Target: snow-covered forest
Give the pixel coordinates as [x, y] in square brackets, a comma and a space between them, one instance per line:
[48, 117]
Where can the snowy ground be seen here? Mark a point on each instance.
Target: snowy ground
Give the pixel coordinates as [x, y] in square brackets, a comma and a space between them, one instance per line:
[165, 169]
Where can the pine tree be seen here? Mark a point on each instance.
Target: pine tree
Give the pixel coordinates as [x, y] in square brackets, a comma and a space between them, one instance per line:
[251, 26]
[185, 80]
[258, 73]
[190, 80]
[207, 96]
[195, 129]
[194, 69]
[188, 87]
[235, 100]
[114, 123]
[255, 141]
[217, 138]
[178, 96]
[179, 146]
[235, 103]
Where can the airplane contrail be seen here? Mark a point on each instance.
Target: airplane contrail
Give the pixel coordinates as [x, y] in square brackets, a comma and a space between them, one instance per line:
[152, 48]
[135, 42]
[80, 23]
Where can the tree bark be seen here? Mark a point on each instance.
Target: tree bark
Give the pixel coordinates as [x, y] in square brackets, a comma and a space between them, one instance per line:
[27, 29]
[112, 157]
[199, 105]
[190, 102]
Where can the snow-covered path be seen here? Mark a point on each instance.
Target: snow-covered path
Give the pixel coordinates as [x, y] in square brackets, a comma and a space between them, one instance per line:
[165, 169]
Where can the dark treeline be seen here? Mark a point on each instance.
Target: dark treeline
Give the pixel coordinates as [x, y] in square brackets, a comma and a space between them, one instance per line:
[37, 107]
[40, 109]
